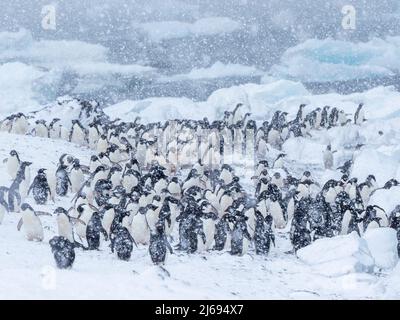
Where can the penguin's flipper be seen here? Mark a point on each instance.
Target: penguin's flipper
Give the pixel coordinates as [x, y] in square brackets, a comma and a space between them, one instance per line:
[93, 207]
[5, 160]
[77, 220]
[42, 213]
[20, 223]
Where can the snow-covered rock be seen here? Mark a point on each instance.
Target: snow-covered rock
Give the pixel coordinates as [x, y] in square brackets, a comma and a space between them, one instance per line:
[338, 256]
[382, 244]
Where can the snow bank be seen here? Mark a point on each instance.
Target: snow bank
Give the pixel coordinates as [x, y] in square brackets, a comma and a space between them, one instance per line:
[335, 60]
[164, 30]
[382, 244]
[338, 256]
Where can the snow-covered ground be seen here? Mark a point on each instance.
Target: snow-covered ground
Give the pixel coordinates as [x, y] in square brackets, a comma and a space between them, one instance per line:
[28, 268]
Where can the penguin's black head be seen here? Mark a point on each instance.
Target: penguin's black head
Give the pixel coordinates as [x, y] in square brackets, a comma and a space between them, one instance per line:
[42, 171]
[60, 210]
[13, 153]
[371, 177]
[26, 206]
[277, 175]
[269, 219]
[307, 174]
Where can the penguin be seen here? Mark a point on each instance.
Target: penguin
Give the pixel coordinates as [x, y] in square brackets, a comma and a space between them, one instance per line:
[41, 129]
[84, 213]
[240, 236]
[13, 163]
[159, 244]
[78, 133]
[63, 182]
[263, 234]
[24, 170]
[328, 157]
[65, 224]
[371, 220]
[141, 229]
[76, 176]
[20, 124]
[346, 167]
[122, 242]
[14, 196]
[93, 136]
[209, 218]
[55, 129]
[32, 225]
[40, 187]
[359, 116]
[93, 230]
[3, 203]
[63, 252]
[300, 231]
[278, 163]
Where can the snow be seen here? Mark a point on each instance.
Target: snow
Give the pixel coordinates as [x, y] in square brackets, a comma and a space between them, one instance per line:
[336, 60]
[338, 256]
[382, 243]
[165, 30]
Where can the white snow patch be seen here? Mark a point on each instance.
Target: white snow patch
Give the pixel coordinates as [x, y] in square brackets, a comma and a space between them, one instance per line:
[382, 243]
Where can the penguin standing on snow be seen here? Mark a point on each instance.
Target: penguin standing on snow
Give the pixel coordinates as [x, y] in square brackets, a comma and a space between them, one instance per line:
[122, 242]
[76, 176]
[222, 230]
[93, 230]
[328, 157]
[300, 232]
[32, 224]
[263, 234]
[65, 225]
[41, 129]
[40, 187]
[63, 252]
[63, 182]
[159, 244]
[25, 172]
[78, 133]
[13, 163]
[239, 236]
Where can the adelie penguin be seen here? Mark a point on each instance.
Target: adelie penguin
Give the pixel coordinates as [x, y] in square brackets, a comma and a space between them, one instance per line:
[240, 236]
[263, 234]
[13, 162]
[63, 183]
[32, 225]
[63, 252]
[93, 230]
[159, 244]
[122, 242]
[40, 187]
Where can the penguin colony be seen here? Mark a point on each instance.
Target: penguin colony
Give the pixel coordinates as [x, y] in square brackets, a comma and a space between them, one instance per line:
[134, 191]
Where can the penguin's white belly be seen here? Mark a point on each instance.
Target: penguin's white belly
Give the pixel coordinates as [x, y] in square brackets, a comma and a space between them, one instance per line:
[20, 126]
[65, 228]
[226, 176]
[116, 179]
[80, 228]
[160, 185]
[41, 131]
[12, 166]
[78, 137]
[76, 180]
[128, 182]
[277, 214]
[345, 223]
[108, 219]
[64, 133]
[246, 244]
[33, 228]
[101, 146]
[93, 138]
[330, 196]
[209, 231]
[139, 229]
[365, 193]
[290, 209]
